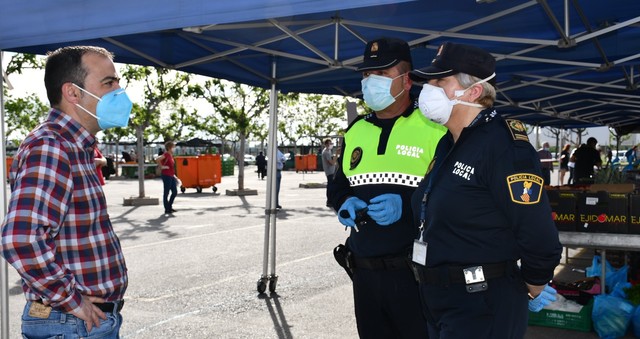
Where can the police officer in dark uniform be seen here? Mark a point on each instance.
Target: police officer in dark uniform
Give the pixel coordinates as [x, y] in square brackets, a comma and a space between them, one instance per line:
[384, 156]
[481, 208]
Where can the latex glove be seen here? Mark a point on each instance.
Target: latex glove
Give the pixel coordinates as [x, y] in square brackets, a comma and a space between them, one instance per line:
[351, 205]
[546, 297]
[385, 209]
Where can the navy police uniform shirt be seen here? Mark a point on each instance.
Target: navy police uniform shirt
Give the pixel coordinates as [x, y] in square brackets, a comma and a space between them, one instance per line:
[486, 203]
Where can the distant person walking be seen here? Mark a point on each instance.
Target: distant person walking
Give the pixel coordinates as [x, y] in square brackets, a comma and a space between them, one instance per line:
[261, 163]
[564, 162]
[280, 160]
[328, 164]
[546, 163]
[168, 175]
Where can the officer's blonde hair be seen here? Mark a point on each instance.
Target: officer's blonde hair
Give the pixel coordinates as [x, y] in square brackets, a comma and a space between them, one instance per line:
[488, 96]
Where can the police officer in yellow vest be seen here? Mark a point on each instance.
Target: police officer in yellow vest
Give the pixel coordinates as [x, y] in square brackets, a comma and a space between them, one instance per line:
[385, 155]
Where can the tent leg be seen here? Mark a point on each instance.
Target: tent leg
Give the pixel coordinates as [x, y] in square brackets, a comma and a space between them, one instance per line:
[269, 255]
[4, 274]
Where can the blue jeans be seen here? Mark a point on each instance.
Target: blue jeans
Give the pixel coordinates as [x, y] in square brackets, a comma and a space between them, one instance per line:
[278, 179]
[169, 184]
[65, 325]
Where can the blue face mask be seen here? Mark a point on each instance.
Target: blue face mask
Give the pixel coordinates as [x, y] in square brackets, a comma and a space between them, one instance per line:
[376, 91]
[113, 109]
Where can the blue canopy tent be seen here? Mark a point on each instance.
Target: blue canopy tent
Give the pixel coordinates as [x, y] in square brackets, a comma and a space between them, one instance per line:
[566, 64]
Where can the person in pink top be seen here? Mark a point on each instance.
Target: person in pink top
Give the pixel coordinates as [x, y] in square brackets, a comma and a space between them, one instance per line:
[168, 174]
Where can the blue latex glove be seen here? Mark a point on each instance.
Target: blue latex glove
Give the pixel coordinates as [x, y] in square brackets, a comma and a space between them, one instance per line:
[385, 209]
[546, 297]
[351, 205]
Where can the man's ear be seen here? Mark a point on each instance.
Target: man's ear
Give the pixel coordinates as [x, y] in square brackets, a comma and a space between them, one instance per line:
[407, 82]
[71, 93]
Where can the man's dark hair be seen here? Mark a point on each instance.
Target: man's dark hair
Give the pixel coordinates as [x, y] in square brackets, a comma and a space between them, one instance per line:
[65, 65]
[592, 141]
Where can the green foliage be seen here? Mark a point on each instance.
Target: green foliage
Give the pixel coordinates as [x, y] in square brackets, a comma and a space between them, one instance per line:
[163, 91]
[19, 62]
[633, 294]
[610, 175]
[23, 114]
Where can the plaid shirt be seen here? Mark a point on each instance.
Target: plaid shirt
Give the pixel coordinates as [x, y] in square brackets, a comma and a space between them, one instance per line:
[57, 233]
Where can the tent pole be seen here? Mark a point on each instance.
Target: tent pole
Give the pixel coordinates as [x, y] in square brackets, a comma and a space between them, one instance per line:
[4, 281]
[270, 205]
[273, 115]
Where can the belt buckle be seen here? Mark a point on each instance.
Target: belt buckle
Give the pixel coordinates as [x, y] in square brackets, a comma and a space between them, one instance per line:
[474, 279]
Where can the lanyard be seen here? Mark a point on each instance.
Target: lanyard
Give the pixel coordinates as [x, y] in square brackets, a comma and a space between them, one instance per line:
[434, 172]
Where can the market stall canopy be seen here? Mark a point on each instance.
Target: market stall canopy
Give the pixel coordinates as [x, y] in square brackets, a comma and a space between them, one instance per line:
[560, 63]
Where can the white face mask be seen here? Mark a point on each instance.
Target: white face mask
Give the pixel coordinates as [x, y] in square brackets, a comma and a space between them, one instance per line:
[436, 105]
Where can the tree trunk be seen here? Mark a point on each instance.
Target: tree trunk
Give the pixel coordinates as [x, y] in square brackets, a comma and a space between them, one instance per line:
[140, 153]
[241, 163]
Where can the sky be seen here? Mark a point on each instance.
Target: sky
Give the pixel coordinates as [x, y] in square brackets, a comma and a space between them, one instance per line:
[32, 81]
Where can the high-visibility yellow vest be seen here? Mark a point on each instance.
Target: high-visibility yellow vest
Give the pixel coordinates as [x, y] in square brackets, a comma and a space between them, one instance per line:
[409, 151]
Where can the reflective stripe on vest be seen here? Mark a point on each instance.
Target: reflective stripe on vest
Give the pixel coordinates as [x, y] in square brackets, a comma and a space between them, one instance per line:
[385, 178]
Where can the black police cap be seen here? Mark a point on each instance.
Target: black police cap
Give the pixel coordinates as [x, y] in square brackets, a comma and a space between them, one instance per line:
[455, 58]
[384, 53]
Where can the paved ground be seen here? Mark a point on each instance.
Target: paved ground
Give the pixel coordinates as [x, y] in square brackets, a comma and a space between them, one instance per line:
[193, 275]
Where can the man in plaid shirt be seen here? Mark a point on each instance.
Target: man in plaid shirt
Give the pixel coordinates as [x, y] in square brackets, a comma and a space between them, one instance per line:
[57, 233]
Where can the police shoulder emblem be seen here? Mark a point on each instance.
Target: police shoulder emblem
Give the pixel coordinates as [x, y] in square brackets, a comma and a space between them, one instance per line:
[525, 188]
[356, 156]
[517, 129]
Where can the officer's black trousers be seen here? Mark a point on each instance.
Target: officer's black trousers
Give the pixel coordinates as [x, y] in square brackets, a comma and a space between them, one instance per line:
[387, 304]
[498, 313]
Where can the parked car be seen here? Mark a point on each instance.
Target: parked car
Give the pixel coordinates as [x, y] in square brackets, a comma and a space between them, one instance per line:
[249, 159]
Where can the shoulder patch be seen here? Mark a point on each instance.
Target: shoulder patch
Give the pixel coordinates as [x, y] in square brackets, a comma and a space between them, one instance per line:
[525, 188]
[517, 129]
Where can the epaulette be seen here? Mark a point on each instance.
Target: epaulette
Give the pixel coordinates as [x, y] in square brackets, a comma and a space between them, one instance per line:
[517, 129]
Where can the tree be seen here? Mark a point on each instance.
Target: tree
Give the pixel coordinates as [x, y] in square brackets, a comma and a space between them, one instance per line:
[619, 138]
[162, 88]
[237, 104]
[580, 132]
[23, 114]
[555, 133]
[323, 118]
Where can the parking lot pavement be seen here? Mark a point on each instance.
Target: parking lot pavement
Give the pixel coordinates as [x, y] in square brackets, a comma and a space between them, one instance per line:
[194, 274]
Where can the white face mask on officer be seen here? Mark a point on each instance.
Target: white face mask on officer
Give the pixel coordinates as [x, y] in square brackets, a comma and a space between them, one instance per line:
[436, 105]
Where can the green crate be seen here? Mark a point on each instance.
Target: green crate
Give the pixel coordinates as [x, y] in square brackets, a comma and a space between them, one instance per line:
[227, 167]
[580, 321]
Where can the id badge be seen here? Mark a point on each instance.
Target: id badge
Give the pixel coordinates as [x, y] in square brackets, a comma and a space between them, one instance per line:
[419, 252]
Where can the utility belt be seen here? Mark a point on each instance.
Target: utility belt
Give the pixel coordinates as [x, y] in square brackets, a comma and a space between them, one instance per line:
[349, 262]
[473, 277]
[107, 307]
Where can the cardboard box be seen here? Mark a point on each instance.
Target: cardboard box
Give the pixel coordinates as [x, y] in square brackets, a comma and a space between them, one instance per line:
[564, 207]
[603, 212]
[634, 214]
[580, 321]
